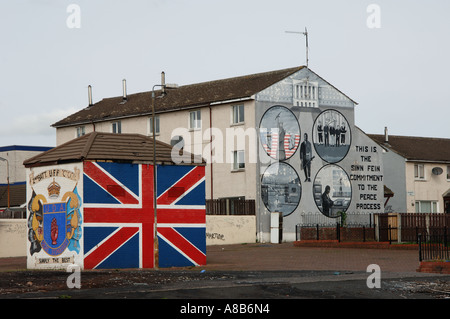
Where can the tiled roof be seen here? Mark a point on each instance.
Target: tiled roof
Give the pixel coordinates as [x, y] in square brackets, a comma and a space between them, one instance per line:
[186, 96]
[416, 148]
[108, 147]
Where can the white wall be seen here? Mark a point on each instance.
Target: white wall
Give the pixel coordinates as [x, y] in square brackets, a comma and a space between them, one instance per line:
[230, 229]
[13, 238]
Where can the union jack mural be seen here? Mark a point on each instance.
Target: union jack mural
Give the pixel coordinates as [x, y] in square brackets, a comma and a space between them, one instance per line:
[119, 215]
[181, 215]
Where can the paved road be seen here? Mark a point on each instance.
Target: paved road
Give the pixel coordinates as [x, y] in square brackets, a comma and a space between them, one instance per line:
[246, 273]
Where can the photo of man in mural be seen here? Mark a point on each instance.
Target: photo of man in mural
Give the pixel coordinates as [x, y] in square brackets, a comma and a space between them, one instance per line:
[327, 203]
[306, 157]
[320, 132]
[335, 199]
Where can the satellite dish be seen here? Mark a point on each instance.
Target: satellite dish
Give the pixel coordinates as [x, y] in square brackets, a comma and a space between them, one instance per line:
[437, 171]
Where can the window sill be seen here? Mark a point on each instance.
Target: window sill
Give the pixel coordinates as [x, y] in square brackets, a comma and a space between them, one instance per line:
[238, 170]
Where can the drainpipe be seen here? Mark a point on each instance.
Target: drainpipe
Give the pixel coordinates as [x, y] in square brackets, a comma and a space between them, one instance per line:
[210, 149]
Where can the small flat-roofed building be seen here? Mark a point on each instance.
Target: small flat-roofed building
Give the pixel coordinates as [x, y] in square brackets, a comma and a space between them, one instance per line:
[91, 202]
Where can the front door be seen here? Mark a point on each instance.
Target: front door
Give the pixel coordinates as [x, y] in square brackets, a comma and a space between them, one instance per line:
[447, 205]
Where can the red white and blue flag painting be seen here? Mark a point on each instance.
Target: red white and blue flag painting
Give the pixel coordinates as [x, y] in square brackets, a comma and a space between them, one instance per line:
[119, 215]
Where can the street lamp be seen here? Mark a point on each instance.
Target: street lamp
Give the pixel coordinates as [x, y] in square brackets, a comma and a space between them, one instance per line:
[163, 87]
[7, 168]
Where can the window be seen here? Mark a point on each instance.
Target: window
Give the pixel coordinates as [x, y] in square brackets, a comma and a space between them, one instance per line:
[195, 120]
[238, 114]
[448, 172]
[156, 125]
[80, 131]
[419, 171]
[426, 206]
[306, 93]
[117, 127]
[238, 160]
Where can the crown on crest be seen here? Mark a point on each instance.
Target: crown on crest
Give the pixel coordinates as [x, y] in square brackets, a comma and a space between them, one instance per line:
[53, 189]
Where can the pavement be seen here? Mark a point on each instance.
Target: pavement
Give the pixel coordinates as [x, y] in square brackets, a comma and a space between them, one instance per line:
[286, 256]
[248, 271]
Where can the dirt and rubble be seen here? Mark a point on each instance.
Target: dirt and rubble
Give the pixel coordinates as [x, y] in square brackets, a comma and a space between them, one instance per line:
[241, 271]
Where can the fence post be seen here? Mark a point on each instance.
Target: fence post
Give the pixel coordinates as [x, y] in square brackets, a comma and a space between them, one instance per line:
[364, 234]
[445, 236]
[338, 232]
[317, 232]
[376, 226]
[389, 234]
[419, 239]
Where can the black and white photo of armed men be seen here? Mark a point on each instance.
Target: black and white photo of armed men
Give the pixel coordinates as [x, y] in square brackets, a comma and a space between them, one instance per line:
[331, 136]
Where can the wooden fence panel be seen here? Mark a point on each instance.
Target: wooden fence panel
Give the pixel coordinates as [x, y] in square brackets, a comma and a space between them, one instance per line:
[230, 207]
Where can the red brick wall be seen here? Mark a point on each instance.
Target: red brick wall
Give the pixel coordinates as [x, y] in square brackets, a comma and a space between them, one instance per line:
[436, 267]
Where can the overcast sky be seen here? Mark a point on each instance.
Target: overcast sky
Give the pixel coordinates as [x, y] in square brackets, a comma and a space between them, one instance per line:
[395, 64]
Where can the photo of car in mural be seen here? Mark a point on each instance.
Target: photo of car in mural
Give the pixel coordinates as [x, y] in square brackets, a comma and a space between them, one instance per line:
[331, 136]
[280, 188]
[332, 190]
[279, 132]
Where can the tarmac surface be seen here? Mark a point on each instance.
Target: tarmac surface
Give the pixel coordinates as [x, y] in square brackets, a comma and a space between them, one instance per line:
[250, 272]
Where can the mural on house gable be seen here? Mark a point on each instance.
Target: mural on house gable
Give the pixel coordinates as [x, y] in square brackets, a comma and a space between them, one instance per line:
[54, 214]
[281, 188]
[335, 165]
[279, 133]
[331, 136]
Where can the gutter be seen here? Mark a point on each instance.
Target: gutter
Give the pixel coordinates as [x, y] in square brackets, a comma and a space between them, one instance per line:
[427, 161]
[157, 112]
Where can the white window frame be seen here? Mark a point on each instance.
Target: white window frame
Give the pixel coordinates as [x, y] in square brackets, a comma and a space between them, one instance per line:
[305, 93]
[157, 126]
[116, 127]
[238, 163]
[195, 120]
[236, 114]
[434, 205]
[81, 130]
[418, 169]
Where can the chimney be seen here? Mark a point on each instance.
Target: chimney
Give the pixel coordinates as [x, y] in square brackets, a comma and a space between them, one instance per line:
[163, 83]
[90, 95]
[386, 136]
[124, 88]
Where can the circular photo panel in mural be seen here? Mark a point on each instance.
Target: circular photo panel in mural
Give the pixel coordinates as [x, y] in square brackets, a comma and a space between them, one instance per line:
[331, 136]
[281, 188]
[279, 132]
[332, 190]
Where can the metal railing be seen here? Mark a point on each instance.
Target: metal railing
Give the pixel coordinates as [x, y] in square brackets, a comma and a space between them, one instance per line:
[354, 232]
[13, 213]
[434, 246]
